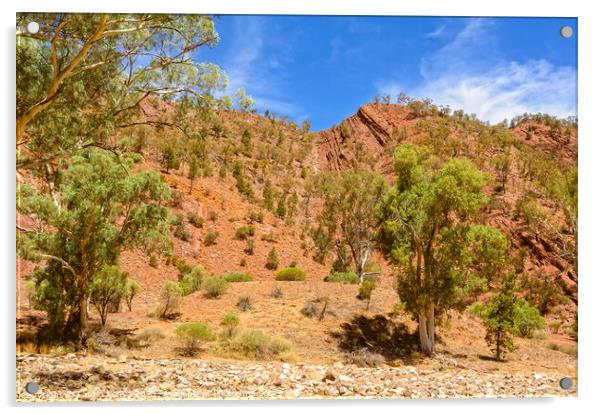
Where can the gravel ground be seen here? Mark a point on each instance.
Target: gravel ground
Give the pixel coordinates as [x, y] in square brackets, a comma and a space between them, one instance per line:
[97, 378]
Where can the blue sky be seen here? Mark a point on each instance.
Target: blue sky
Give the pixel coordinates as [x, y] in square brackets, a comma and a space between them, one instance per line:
[324, 67]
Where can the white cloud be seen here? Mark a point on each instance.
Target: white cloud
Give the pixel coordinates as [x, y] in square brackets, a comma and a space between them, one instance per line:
[468, 73]
[251, 68]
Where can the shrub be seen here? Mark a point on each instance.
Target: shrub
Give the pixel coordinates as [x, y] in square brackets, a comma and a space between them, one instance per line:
[108, 287]
[181, 265]
[214, 286]
[527, 320]
[153, 261]
[177, 198]
[182, 233]
[268, 237]
[244, 232]
[195, 220]
[131, 289]
[256, 217]
[212, 216]
[148, 336]
[192, 334]
[230, 322]
[477, 309]
[257, 345]
[348, 277]
[243, 262]
[272, 261]
[365, 291]
[192, 281]
[276, 293]
[238, 277]
[290, 274]
[211, 237]
[250, 248]
[244, 303]
[171, 295]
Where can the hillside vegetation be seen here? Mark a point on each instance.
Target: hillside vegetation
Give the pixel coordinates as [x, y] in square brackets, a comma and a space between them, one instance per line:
[159, 218]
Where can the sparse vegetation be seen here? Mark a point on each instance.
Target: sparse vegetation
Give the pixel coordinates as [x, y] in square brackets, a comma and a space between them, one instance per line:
[238, 277]
[244, 232]
[192, 334]
[244, 303]
[210, 237]
[272, 260]
[214, 286]
[290, 274]
[348, 277]
[171, 295]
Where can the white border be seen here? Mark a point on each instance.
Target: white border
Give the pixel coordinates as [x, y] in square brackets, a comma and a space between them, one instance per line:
[590, 143]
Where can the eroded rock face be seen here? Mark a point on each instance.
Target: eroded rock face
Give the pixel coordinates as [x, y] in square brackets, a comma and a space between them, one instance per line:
[96, 378]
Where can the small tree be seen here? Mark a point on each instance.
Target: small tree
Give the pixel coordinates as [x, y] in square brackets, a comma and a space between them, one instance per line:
[171, 295]
[230, 322]
[192, 334]
[108, 287]
[365, 291]
[272, 261]
[502, 164]
[499, 317]
[170, 158]
[192, 281]
[131, 289]
[350, 202]
[281, 208]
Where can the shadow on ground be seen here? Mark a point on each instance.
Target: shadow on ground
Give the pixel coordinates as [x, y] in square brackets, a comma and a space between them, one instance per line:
[377, 334]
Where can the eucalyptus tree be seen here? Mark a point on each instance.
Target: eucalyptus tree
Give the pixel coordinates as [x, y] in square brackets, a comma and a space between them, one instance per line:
[429, 234]
[83, 77]
[349, 212]
[102, 210]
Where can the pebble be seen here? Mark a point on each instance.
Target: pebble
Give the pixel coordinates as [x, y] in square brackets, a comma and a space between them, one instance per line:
[68, 378]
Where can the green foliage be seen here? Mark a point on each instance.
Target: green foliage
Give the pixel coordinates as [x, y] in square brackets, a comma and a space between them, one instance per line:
[527, 320]
[348, 277]
[230, 322]
[102, 210]
[193, 171]
[214, 286]
[244, 232]
[255, 344]
[82, 77]
[192, 281]
[541, 291]
[191, 334]
[268, 195]
[195, 220]
[281, 208]
[170, 297]
[250, 248]
[108, 288]
[238, 277]
[290, 274]
[256, 217]
[153, 261]
[365, 291]
[170, 158]
[211, 237]
[131, 289]
[350, 201]
[272, 260]
[428, 232]
[500, 316]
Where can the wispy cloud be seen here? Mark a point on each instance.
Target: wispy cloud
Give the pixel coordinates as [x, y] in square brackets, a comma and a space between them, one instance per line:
[470, 73]
[252, 65]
